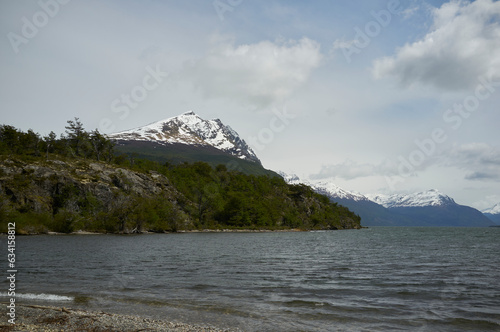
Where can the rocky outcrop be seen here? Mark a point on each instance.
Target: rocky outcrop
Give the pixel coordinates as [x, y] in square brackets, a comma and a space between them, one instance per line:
[48, 180]
[71, 195]
[74, 186]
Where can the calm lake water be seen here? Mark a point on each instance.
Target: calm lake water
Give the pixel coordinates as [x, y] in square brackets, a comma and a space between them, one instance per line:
[377, 279]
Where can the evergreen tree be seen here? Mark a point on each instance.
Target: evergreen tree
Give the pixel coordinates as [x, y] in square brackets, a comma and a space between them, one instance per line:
[99, 143]
[32, 142]
[76, 135]
[50, 142]
[10, 139]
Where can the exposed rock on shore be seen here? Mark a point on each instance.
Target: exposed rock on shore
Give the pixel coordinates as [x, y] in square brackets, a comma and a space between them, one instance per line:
[52, 319]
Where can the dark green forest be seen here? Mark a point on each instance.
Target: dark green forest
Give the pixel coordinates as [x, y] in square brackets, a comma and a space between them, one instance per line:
[79, 182]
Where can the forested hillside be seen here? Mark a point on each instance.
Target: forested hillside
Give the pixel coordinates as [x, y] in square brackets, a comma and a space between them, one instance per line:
[77, 182]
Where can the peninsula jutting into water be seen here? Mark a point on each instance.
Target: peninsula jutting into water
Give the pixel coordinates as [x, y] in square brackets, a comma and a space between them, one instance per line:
[79, 183]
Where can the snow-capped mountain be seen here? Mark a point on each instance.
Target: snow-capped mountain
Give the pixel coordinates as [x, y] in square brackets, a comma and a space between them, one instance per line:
[333, 191]
[324, 187]
[493, 210]
[426, 198]
[493, 213]
[431, 208]
[289, 178]
[190, 129]
[428, 208]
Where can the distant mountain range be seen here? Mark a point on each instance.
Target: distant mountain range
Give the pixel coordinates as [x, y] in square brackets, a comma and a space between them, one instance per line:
[428, 208]
[189, 138]
[422, 199]
[493, 213]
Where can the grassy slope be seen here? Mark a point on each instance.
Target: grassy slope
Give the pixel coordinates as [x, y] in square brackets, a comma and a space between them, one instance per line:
[180, 153]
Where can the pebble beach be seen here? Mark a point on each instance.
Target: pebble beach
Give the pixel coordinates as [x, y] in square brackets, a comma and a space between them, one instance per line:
[54, 319]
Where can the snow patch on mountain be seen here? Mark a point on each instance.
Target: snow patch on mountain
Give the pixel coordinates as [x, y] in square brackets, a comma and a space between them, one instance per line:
[324, 187]
[426, 198]
[332, 190]
[493, 210]
[289, 178]
[189, 128]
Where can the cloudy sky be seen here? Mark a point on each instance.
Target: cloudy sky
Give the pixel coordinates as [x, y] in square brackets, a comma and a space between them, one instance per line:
[378, 96]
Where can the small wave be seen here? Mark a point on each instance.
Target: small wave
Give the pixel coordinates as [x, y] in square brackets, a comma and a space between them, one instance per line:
[42, 297]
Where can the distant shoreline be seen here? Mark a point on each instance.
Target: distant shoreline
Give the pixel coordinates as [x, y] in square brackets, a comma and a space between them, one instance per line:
[226, 230]
[178, 232]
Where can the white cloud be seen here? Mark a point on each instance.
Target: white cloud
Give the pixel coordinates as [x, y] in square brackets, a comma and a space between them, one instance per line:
[342, 43]
[480, 160]
[350, 170]
[486, 203]
[476, 161]
[409, 12]
[259, 74]
[462, 44]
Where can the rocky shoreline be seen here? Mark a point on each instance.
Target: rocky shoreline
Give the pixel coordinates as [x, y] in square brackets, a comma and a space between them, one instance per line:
[178, 232]
[53, 319]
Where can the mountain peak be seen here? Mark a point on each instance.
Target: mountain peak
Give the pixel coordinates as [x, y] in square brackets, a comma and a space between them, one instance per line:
[493, 210]
[189, 128]
[324, 187]
[289, 178]
[432, 197]
[333, 191]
